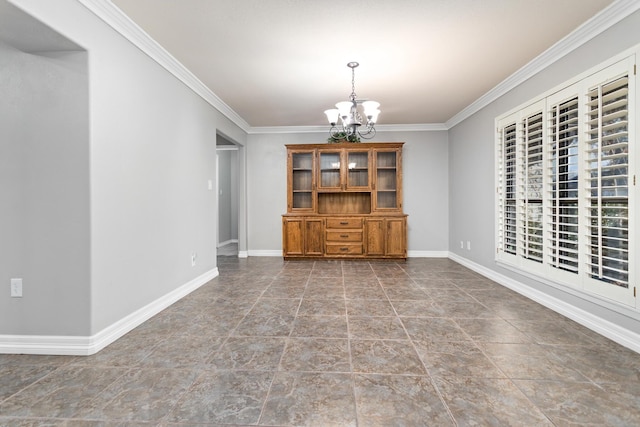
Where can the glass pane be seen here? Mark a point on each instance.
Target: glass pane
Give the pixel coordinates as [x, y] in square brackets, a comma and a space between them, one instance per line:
[386, 160]
[387, 199]
[358, 165]
[302, 161]
[302, 180]
[386, 180]
[330, 169]
[302, 200]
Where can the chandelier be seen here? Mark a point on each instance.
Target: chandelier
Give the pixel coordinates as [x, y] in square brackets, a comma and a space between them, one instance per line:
[351, 118]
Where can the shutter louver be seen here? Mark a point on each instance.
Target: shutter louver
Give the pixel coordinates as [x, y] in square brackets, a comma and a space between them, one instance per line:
[509, 219]
[607, 182]
[531, 199]
[564, 173]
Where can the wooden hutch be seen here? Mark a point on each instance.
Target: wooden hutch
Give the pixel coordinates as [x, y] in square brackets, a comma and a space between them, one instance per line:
[344, 200]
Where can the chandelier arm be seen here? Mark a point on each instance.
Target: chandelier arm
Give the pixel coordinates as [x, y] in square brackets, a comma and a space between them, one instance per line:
[370, 133]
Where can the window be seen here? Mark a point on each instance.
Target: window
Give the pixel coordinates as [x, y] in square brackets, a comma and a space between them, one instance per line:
[566, 181]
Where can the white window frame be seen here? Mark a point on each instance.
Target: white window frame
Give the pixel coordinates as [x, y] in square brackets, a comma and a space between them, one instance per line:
[577, 283]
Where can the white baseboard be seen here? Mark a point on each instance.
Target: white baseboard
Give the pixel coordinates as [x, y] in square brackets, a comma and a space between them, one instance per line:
[243, 254]
[269, 252]
[87, 345]
[614, 332]
[227, 242]
[427, 254]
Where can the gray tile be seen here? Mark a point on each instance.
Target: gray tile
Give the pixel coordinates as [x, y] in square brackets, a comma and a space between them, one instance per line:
[316, 354]
[261, 326]
[489, 402]
[427, 284]
[582, 403]
[140, 395]
[376, 328]
[399, 400]
[15, 378]
[62, 393]
[182, 351]
[358, 281]
[530, 361]
[320, 327]
[324, 292]
[284, 291]
[224, 397]
[492, 330]
[370, 307]
[457, 360]
[385, 357]
[550, 332]
[418, 308]
[466, 310]
[212, 325]
[601, 364]
[310, 399]
[249, 353]
[433, 329]
[275, 306]
[374, 293]
[322, 307]
[415, 293]
[12, 360]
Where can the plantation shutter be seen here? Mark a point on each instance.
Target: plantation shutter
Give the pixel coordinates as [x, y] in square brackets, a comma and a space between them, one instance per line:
[563, 181]
[507, 227]
[531, 189]
[608, 182]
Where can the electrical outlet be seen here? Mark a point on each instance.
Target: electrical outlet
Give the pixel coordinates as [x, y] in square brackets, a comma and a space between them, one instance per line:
[461, 244]
[16, 288]
[468, 245]
[193, 259]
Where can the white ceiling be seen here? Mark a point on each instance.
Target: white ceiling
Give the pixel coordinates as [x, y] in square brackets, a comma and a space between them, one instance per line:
[283, 62]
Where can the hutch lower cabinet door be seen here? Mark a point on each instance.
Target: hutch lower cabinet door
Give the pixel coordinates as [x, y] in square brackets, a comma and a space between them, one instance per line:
[386, 237]
[302, 236]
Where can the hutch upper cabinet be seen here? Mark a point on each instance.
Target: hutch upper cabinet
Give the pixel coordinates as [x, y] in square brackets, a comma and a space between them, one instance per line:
[344, 201]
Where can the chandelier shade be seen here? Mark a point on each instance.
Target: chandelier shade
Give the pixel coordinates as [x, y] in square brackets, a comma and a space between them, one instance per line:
[347, 118]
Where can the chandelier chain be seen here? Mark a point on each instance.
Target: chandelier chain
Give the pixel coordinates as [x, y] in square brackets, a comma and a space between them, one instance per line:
[353, 84]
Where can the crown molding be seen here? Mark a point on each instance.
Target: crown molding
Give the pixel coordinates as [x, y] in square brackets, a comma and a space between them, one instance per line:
[599, 23]
[120, 22]
[425, 127]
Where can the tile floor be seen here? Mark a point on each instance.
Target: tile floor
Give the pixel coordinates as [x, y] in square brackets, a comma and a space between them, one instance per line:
[331, 343]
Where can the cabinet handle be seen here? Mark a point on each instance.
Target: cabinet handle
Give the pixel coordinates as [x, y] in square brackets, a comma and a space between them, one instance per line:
[344, 235]
[344, 222]
[344, 249]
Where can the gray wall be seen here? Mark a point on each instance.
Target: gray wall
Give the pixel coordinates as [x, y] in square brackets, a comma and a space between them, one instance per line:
[44, 183]
[141, 188]
[425, 188]
[472, 163]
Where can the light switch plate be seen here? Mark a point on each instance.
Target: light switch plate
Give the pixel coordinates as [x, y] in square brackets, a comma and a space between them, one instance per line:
[16, 288]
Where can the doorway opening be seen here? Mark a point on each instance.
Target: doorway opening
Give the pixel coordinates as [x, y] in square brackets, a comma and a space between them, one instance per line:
[229, 194]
